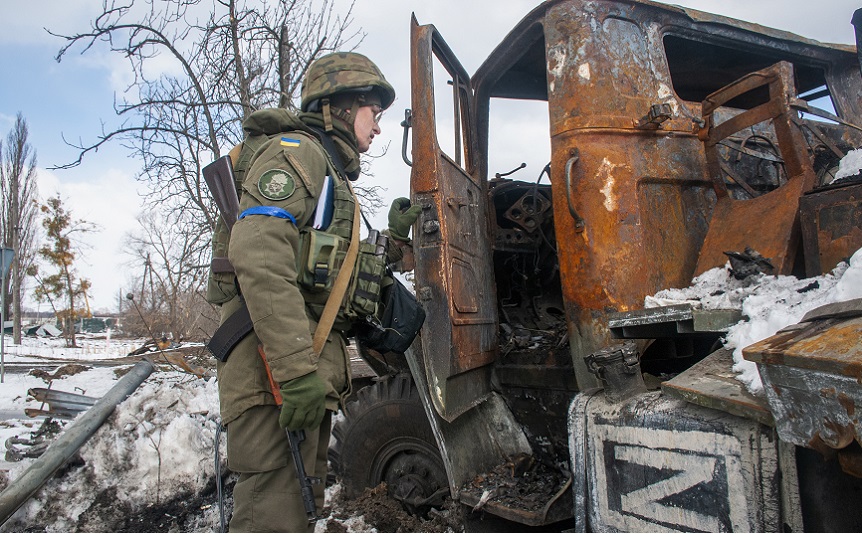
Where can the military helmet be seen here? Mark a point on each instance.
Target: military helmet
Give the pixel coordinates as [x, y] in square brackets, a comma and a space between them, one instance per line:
[341, 72]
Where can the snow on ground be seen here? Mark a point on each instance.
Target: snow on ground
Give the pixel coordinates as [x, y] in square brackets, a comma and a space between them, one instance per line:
[158, 445]
[90, 347]
[94, 382]
[769, 302]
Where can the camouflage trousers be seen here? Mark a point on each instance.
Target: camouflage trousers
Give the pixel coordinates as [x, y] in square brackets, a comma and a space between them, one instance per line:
[267, 496]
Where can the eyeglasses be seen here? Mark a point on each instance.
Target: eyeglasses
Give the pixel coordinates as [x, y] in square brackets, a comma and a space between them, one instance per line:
[378, 112]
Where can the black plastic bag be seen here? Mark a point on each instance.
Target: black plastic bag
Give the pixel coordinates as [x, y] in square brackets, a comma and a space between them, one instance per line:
[398, 320]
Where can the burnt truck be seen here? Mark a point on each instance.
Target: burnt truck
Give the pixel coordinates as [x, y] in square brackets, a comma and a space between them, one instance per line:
[540, 389]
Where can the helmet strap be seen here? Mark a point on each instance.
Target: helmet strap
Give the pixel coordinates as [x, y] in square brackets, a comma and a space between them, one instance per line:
[358, 101]
[327, 116]
[354, 109]
[348, 117]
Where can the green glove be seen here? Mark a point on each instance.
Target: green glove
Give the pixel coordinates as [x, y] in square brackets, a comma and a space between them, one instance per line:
[303, 402]
[401, 217]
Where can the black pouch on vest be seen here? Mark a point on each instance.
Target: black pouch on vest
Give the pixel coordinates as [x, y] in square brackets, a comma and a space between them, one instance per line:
[399, 319]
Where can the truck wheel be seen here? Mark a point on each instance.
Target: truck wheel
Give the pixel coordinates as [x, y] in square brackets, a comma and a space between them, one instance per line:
[385, 436]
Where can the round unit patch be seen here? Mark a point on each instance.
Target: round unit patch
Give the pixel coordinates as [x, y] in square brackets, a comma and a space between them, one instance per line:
[276, 184]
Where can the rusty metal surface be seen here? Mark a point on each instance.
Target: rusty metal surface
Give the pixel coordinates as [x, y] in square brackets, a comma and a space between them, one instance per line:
[61, 404]
[631, 194]
[831, 222]
[642, 194]
[766, 224]
[634, 207]
[453, 264]
[738, 224]
[631, 199]
[832, 345]
[712, 383]
[812, 376]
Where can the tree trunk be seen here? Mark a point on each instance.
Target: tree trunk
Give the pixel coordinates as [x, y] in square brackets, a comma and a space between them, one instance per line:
[70, 320]
[16, 266]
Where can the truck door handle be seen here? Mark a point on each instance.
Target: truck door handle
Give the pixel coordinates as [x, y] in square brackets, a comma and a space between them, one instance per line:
[406, 124]
[579, 221]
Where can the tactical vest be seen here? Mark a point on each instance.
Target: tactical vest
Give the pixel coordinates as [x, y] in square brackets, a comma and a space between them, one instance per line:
[321, 252]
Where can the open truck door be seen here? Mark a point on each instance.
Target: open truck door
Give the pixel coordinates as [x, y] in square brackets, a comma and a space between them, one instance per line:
[475, 429]
[453, 254]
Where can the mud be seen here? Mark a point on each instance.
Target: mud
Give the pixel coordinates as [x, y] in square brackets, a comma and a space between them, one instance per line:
[383, 513]
[521, 483]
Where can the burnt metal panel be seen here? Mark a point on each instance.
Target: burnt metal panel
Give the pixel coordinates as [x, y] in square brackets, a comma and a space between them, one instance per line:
[452, 245]
[712, 383]
[831, 344]
[607, 67]
[657, 463]
[631, 205]
[831, 220]
[671, 321]
[811, 375]
[766, 223]
[476, 441]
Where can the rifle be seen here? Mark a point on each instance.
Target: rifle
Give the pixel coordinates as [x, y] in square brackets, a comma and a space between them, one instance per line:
[295, 438]
[220, 180]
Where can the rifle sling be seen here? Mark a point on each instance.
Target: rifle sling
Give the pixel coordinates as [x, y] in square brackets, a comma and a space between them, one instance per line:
[221, 265]
[231, 332]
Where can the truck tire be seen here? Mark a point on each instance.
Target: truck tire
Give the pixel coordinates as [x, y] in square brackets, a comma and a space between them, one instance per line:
[385, 436]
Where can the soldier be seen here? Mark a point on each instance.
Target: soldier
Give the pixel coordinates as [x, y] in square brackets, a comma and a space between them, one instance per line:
[285, 194]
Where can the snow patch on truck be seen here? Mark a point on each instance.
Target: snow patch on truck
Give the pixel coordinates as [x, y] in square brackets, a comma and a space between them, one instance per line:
[850, 165]
[770, 303]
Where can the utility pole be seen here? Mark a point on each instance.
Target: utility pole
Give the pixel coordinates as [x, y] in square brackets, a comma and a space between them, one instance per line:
[6, 255]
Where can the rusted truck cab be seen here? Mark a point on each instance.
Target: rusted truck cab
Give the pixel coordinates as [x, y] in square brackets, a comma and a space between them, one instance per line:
[675, 136]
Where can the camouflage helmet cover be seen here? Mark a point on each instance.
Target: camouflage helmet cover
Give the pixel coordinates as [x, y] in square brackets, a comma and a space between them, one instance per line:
[342, 72]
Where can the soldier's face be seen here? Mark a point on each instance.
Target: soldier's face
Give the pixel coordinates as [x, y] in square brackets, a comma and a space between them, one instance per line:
[366, 126]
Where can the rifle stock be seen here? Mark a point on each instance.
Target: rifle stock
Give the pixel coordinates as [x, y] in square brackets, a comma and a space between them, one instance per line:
[220, 180]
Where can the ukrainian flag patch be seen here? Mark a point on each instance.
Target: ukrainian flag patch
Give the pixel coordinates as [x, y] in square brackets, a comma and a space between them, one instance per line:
[287, 141]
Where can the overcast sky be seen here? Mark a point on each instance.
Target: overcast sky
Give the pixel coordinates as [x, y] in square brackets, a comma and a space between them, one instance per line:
[74, 97]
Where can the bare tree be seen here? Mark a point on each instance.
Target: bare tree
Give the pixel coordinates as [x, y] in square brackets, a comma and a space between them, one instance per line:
[19, 208]
[168, 255]
[231, 58]
[244, 56]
